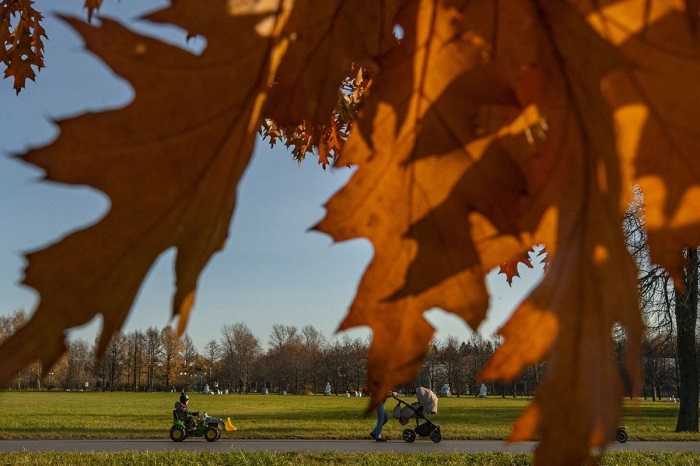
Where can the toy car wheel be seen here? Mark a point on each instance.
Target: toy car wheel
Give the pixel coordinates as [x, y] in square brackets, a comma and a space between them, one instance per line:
[211, 434]
[436, 436]
[177, 434]
[409, 435]
[621, 435]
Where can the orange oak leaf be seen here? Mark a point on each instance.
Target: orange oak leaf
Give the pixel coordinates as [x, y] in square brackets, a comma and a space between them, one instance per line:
[170, 167]
[330, 144]
[411, 148]
[590, 285]
[510, 268]
[656, 108]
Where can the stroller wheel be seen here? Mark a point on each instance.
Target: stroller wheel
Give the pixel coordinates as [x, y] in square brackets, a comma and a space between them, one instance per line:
[621, 435]
[409, 436]
[436, 436]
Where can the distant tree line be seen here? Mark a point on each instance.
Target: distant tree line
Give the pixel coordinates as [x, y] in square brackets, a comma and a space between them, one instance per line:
[296, 361]
[299, 361]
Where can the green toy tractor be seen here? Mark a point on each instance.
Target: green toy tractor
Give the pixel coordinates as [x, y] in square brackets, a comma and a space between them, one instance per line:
[208, 427]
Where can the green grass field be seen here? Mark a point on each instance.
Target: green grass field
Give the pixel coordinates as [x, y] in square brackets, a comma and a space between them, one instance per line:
[149, 415]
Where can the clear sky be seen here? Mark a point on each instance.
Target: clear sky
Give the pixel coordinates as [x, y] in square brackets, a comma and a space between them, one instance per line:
[273, 269]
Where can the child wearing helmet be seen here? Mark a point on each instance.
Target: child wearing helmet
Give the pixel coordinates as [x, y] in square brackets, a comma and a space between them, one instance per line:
[183, 412]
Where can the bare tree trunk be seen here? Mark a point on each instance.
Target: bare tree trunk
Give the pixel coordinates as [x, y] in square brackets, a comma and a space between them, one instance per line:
[686, 320]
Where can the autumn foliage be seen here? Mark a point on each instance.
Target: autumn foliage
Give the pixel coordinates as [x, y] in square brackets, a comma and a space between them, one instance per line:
[487, 128]
[21, 41]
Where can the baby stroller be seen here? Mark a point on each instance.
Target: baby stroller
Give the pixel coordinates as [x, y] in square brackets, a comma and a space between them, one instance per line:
[426, 404]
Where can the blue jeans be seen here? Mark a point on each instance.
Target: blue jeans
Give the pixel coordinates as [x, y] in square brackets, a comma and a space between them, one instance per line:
[382, 419]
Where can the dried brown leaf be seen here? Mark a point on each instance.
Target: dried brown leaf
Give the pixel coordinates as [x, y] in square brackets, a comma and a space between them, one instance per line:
[656, 109]
[169, 165]
[411, 146]
[590, 286]
[510, 268]
[21, 41]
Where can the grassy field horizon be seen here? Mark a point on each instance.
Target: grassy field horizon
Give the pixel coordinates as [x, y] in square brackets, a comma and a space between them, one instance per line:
[83, 415]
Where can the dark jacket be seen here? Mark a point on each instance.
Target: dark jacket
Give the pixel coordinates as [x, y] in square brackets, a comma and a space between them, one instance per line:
[182, 411]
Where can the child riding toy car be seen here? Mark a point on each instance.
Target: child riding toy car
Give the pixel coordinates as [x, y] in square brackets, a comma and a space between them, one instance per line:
[208, 427]
[184, 424]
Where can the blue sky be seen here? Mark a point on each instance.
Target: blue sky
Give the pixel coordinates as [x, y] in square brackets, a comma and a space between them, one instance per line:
[273, 269]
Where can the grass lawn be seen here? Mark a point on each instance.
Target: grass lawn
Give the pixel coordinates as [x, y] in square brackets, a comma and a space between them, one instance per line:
[149, 415]
[330, 458]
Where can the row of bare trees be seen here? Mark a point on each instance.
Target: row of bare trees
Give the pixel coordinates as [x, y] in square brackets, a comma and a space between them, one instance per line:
[139, 361]
[457, 364]
[295, 360]
[30, 376]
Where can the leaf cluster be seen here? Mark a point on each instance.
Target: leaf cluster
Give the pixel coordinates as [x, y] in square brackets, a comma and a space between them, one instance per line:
[21, 41]
[486, 129]
[327, 140]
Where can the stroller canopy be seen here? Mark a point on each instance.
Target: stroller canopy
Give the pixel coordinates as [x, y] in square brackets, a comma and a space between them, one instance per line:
[427, 399]
[426, 404]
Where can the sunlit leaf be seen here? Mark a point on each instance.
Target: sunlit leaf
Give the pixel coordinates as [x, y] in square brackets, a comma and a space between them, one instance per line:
[411, 149]
[591, 281]
[170, 167]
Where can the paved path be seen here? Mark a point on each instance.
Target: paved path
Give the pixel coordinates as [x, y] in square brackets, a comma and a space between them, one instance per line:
[419, 446]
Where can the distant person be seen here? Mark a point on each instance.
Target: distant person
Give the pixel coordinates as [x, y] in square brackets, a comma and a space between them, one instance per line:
[482, 391]
[183, 412]
[327, 390]
[382, 419]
